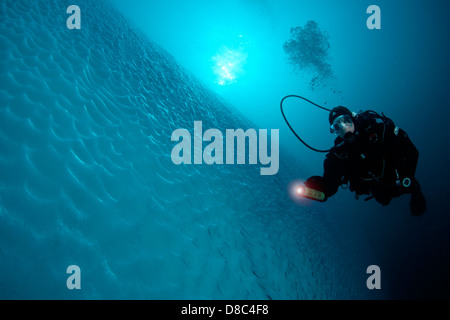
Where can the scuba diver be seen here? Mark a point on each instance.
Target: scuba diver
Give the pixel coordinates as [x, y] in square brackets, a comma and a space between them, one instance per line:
[371, 156]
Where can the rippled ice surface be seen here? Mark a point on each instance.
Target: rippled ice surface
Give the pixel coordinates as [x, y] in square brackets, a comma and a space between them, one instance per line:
[86, 176]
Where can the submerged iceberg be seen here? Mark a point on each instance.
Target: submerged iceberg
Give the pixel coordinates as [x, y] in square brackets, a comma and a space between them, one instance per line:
[86, 177]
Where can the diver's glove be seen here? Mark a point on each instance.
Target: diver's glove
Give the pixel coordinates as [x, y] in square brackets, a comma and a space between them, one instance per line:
[316, 183]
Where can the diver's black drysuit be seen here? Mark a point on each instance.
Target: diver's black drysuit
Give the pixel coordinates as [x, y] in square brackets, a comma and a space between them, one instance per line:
[378, 160]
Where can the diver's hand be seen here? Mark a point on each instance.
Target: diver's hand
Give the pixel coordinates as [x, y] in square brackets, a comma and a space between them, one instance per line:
[316, 183]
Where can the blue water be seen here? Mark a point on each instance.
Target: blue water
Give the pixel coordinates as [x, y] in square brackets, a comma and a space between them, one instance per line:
[86, 176]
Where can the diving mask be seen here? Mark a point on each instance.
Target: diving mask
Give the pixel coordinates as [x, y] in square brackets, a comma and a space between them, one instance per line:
[342, 125]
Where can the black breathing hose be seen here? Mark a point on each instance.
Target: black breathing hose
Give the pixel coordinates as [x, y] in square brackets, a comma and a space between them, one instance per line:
[293, 131]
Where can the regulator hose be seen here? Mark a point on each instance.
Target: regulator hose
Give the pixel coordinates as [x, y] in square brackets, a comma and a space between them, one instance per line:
[293, 131]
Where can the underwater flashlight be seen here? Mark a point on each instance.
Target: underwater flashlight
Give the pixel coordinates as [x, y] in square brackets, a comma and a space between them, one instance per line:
[300, 190]
[309, 193]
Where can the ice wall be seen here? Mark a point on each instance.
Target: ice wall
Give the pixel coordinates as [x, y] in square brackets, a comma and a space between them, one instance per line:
[86, 176]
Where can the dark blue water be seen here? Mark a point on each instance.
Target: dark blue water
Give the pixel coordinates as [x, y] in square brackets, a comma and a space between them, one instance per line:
[86, 176]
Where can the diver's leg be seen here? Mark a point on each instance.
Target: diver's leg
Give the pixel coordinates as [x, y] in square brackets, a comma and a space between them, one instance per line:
[418, 202]
[384, 198]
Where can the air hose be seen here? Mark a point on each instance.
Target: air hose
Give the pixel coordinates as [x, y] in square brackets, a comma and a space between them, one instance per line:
[293, 131]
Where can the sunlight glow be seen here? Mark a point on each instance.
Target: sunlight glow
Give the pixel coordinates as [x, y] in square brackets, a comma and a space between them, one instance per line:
[228, 65]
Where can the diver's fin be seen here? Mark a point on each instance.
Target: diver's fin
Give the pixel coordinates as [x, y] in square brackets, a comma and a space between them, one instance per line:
[418, 202]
